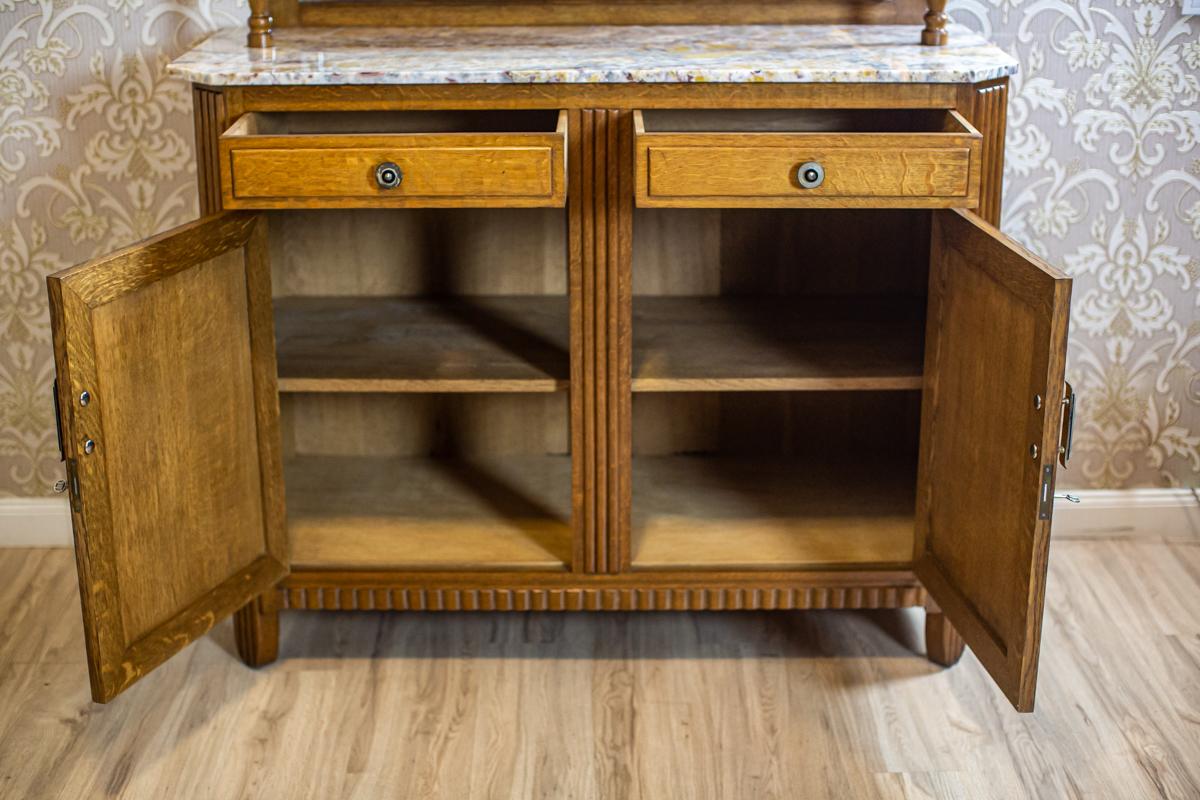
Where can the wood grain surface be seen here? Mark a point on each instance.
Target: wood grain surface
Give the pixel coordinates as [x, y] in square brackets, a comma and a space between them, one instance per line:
[181, 517]
[262, 168]
[593, 12]
[575, 96]
[687, 344]
[710, 512]
[995, 352]
[616, 706]
[386, 344]
[429, 513]
[739, 159]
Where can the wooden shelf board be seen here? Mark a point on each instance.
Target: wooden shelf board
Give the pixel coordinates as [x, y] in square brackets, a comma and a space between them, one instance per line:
[690, 344]
[716, 512]
[352, 512]
[422, 344]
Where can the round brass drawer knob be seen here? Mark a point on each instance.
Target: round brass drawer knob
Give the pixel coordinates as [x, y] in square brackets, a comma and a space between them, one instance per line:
[810, 175]
[388, 175]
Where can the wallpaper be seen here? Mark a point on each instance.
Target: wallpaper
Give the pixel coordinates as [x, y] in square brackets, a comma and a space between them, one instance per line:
[1102, 179]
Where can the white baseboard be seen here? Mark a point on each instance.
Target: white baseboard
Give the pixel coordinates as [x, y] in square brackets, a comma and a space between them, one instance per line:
[1100, 513]
[1128, 513]
[35, 522]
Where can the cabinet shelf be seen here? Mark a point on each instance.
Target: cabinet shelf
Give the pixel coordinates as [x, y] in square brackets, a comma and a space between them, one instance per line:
[422, 344]
[689, 344]
[422, 513]
[726, 512]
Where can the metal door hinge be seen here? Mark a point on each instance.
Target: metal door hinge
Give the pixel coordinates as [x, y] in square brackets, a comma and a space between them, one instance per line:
[1068, 425]
[58, 426]
[73, 486]
[1046, 496]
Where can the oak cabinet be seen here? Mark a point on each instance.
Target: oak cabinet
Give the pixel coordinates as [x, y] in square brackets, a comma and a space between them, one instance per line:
[596, 349]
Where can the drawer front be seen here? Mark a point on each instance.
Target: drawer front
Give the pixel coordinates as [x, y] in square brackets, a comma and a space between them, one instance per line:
[933, 170]
[430, 170]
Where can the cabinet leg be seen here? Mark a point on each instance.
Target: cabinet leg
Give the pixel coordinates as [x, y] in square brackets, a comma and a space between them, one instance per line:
[943, 645]
[256, 630]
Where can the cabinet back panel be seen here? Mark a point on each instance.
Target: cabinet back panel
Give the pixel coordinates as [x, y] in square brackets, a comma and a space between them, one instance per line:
[814, 425]
[406, 252]
[424, 424]
[773, 480]
[780, 251]
[773, 254]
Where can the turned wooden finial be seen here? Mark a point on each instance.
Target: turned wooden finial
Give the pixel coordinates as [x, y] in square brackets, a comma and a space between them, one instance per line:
[260, 24]
[935, 23]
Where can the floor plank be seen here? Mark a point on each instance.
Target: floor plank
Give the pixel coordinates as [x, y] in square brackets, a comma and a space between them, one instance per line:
[719, 705]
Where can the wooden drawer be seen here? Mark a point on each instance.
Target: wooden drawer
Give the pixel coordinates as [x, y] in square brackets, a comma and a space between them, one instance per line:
[889, 158]
[442, 159]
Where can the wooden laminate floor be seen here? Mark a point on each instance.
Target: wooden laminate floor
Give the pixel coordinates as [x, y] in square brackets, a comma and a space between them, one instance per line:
[718, 705]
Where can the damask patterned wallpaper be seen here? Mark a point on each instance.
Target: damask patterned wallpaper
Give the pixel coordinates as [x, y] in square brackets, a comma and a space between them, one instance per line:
[1102, 178]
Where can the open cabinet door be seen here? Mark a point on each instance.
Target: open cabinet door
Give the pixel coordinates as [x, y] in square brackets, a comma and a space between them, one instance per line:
[991, 411]
[170, 423]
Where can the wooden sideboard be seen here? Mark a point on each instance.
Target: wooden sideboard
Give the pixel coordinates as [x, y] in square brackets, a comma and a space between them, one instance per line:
[569, 346]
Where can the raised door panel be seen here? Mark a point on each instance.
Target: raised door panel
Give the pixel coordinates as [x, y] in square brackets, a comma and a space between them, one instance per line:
[991, 410]
[177, 497]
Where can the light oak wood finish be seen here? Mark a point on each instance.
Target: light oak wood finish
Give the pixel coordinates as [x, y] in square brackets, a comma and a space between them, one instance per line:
[256, 624]
[620, 96]
[266, 165]
[180, 513]
[429, 513]
[442, 257]
[792, 255]
[444, 253]
[601, 245]
[710, 512]
[746, 159]
[673, 590]
[464, 13]
[645, 12]
[994, 361]
[374, 344]
[443, 424]
[256, 630]
[943, 644]
[775, 424]
[702, 705]
[936, 19]
[687, 344]
[260, 24]
[986, 105]
[210, 115]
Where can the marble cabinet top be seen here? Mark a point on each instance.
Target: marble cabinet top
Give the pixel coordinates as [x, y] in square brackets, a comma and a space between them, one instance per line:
[595, 54]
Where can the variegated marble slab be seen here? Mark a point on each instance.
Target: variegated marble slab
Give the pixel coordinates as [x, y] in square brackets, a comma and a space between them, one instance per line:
[595, 54]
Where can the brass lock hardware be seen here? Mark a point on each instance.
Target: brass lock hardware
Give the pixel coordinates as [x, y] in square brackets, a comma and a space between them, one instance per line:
[388, 175]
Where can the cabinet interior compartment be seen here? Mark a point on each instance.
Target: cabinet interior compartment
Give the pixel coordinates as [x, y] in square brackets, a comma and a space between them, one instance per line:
[805, 120]
[423, 366]
[313, 123]
[777, 371]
